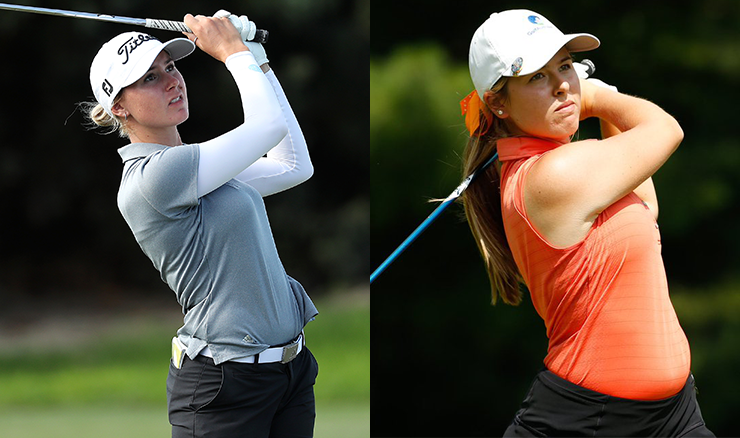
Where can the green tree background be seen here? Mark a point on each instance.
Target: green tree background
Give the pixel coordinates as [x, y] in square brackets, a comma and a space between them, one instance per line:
[445, 362]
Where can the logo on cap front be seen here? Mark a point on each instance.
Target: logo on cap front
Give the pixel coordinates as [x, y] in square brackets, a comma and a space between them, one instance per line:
[539, 24]
[132, 44]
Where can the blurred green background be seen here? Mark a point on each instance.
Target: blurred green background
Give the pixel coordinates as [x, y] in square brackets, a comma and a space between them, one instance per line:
[86, 322]
[444, 361]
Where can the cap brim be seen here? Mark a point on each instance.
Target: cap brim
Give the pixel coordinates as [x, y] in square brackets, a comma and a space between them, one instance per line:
[177, 49]
[579, 42]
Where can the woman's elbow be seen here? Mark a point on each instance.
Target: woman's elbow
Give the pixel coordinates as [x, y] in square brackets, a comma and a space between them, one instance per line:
[679, 132]
[297, 176]
[676, 133]
[302, 173]
[307, 172]
[672, 128]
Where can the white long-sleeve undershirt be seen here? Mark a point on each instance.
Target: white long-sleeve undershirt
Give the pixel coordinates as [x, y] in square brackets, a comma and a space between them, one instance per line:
[270, 127]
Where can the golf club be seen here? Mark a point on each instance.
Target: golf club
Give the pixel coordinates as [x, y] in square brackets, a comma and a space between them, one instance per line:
[177, 26]
[431, 218]
[585, 68]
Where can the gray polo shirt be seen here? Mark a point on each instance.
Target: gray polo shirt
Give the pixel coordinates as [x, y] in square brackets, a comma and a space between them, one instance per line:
[216, 252]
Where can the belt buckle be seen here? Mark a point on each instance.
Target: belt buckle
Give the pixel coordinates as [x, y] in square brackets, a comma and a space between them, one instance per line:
[290, 352]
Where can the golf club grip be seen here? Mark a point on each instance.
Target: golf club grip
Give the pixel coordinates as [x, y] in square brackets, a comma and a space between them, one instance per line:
[259, 37]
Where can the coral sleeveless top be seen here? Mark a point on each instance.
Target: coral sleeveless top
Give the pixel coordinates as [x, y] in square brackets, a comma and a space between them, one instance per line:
[610, 322]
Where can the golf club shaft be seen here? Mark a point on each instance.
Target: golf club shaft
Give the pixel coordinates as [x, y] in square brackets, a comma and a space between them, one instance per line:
[431, 218]
[177, 26]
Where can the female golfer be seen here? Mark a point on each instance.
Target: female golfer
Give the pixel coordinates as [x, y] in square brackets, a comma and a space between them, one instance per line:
[576, 223]
[240, 366]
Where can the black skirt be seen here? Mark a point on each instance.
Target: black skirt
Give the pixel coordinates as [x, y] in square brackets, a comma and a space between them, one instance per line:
[557, 407]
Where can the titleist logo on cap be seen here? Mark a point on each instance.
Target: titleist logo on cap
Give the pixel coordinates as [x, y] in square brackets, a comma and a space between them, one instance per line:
[132, 44]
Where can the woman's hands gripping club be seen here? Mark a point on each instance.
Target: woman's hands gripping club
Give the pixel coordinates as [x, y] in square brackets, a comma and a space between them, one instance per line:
[223, 35]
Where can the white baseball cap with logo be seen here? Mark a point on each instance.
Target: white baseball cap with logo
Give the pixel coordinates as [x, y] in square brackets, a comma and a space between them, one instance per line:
[125, 59]
[517, 43]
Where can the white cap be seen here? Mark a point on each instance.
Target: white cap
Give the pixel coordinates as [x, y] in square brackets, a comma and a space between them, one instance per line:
[125, 59]
[518, 42]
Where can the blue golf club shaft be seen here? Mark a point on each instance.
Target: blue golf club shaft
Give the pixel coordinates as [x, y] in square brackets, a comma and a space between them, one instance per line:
[431, 218]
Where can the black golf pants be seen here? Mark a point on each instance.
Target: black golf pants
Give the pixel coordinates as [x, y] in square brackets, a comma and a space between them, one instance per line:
[240, 400]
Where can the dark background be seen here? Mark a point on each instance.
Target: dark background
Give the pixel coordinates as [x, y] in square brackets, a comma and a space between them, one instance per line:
[445, 362]
[63, 241]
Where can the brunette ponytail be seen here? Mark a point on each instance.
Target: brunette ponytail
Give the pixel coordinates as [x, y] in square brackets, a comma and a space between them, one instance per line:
[482, 202]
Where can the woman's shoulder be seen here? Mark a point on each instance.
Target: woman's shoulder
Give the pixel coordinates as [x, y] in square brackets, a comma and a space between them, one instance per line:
[560, 171]
[161, 176]
[553, 192]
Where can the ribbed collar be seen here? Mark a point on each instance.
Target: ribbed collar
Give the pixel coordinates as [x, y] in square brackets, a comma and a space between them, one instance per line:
[515, 148]
[139, 150]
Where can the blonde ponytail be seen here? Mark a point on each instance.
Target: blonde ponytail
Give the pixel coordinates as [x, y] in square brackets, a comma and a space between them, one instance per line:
[97, 117]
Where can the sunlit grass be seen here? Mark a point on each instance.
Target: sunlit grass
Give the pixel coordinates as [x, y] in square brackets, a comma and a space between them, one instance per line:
[114, 385]
[334, 420]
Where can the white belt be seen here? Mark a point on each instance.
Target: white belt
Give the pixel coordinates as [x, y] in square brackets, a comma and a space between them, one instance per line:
[283, 354]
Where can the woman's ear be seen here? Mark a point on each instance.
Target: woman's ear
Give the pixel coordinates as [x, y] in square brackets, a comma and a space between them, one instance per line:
[494, 103]
[119, 111]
